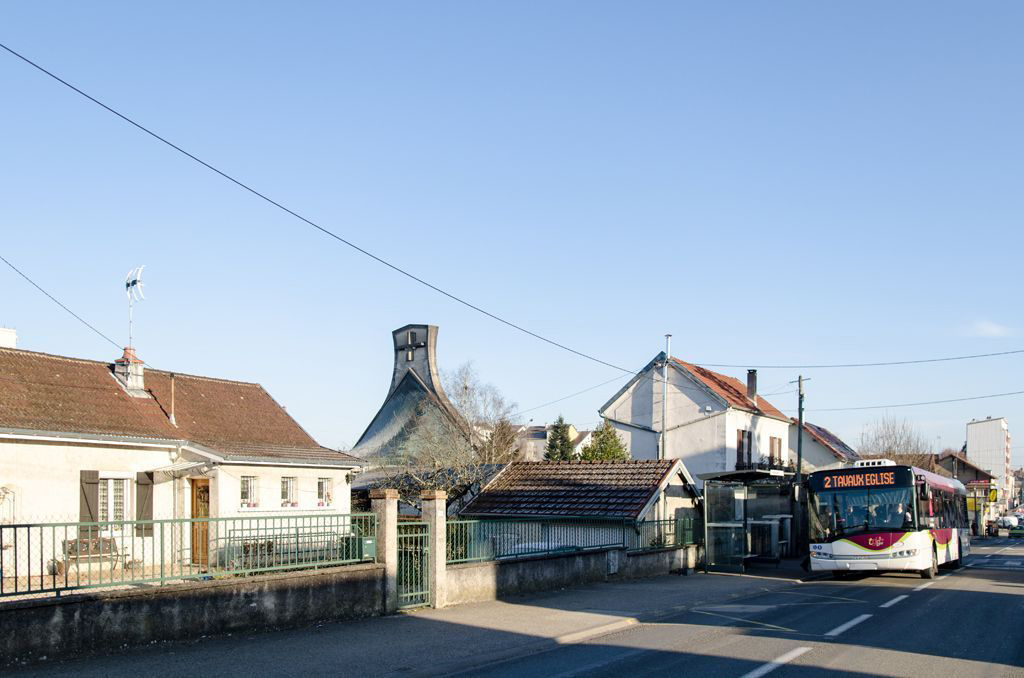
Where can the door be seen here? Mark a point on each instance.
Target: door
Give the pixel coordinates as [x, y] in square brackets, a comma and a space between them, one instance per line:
[200, 528]
[413, 567]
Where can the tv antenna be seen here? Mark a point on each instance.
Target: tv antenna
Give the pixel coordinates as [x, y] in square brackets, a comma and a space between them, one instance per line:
[133, 288]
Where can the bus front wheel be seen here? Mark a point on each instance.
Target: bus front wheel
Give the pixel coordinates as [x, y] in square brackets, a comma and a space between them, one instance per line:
[931, 571]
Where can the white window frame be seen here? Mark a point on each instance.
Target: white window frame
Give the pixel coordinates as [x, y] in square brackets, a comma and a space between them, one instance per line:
[292, 499]
[129, 497]
[254, 492]
[327, 501]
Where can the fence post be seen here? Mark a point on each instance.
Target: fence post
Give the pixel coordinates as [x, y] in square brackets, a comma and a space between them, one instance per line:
[435, 511]
[384, 503]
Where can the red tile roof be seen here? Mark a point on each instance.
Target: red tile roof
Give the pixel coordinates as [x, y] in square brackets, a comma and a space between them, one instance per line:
[598, 489]
[732, 390]
[239, 420]
[829, 441]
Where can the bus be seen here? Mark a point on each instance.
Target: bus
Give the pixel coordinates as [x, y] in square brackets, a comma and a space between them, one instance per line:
[878, 516]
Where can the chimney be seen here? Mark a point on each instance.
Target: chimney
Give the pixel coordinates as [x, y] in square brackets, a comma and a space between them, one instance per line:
[128, 370]
[173, 423]
[752, 384]
[8, 337]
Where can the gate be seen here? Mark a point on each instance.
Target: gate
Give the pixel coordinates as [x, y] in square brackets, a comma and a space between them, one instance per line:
[413, 567]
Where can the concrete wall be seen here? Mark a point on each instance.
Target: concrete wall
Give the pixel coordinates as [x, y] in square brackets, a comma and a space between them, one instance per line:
[477, 582]
[96, 623]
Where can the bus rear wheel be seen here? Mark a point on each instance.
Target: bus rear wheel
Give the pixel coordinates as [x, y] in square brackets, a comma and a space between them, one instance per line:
[933, 570]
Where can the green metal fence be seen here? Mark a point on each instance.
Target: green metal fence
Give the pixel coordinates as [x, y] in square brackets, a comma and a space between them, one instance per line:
[481, 540]
[49, 558]
[413, 566]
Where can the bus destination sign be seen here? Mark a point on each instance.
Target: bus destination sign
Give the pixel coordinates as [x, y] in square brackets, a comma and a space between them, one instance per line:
[868, 477]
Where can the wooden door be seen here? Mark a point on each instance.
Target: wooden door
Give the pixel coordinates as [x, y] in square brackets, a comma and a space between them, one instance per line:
[200, 528]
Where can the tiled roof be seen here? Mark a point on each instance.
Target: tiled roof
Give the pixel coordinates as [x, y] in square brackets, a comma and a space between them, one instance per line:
[732, 390]
[830, 440]
[599, 489]
[237, 420]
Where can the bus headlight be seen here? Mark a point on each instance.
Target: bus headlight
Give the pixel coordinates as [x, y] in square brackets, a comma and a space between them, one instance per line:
[908, 553]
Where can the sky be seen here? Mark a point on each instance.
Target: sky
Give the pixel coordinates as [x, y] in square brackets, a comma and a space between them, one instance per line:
[772, 183]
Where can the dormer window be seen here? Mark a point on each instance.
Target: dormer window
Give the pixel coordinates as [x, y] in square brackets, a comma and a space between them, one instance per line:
[409, 355]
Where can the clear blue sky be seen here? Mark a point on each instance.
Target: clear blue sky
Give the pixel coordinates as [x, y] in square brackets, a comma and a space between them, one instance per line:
[770, 182]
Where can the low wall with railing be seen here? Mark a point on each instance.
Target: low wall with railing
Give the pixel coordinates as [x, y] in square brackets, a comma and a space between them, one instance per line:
[99, 621]
[46, 559]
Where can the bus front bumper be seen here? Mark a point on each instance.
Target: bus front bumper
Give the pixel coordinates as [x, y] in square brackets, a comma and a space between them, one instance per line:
[880, 563]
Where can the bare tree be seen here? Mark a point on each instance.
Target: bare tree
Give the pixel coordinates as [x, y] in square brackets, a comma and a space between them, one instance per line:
[896, 439]
[452, 449]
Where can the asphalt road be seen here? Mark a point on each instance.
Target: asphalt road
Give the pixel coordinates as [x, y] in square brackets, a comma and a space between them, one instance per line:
[964, 623]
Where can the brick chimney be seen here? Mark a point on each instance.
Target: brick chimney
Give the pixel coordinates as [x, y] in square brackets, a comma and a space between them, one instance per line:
[129, 371]
[752, 385]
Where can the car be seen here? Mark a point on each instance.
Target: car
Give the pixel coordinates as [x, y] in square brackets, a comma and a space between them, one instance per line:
[1017, 531]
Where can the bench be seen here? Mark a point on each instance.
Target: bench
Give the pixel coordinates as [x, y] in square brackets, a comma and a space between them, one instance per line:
[90, 549]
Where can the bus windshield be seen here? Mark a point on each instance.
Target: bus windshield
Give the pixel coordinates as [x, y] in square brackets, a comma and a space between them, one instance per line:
[838, 513]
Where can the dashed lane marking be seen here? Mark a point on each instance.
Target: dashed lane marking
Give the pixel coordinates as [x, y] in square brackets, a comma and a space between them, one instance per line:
[894, 601]
[922, 587]
[777, 662]
[848, 625]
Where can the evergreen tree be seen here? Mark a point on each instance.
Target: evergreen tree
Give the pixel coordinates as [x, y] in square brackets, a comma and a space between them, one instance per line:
[559, 445]
[605, 445]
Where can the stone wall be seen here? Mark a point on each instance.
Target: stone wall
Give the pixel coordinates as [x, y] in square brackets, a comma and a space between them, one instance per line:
[99, 622]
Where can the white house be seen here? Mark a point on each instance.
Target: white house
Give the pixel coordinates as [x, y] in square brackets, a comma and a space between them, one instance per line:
[821, 447]
[88, 441]
[714, 423]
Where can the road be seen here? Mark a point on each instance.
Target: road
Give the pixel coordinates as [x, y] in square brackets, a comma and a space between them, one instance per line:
[965, 623]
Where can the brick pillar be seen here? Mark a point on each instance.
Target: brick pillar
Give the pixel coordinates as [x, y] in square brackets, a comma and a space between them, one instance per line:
[384, 504]
[434, 506]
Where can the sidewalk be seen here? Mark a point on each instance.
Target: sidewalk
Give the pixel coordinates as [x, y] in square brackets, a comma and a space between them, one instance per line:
[432, 642]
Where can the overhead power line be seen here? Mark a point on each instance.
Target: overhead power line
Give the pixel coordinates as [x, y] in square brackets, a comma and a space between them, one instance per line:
[311, 223]
[58, 301]
[887, 363]
[927, 402]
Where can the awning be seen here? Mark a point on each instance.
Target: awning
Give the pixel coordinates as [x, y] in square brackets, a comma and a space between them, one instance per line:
[745, 474]
[181, 467]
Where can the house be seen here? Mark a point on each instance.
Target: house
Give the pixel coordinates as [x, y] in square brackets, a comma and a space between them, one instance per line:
[601, 490]
[87, 441]
[821, 447]
[714, 422]
[960, 467]
[533, 441]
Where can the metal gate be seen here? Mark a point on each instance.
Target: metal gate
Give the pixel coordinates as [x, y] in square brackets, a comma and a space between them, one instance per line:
[413, 567]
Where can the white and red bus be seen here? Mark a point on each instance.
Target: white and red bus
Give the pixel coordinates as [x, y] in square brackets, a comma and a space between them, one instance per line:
[878, 516]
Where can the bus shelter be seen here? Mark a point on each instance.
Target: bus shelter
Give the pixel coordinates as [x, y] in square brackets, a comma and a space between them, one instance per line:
[748, 517]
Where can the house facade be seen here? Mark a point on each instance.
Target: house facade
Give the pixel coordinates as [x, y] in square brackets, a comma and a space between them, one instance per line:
[714, 422]
[88, 441]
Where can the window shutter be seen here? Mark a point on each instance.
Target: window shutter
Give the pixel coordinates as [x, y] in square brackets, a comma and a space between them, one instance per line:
[88, 501]
[144, 503]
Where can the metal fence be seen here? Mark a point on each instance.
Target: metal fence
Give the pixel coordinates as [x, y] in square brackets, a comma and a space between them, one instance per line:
[48, 558]
[482, 540]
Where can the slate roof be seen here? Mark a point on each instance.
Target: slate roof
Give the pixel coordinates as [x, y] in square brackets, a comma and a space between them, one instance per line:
[732, 390]
[964, 461]
[233, 419]
[830, 441]
[597, 489]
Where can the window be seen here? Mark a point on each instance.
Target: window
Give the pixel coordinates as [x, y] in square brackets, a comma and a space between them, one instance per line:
[409, 355]
[289, 497]
[743, 447]
[114, 499]
[324, 491]
[249, 492]
[775, 450]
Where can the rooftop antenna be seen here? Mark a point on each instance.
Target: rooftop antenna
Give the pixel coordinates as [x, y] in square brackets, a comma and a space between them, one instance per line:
[133, 288]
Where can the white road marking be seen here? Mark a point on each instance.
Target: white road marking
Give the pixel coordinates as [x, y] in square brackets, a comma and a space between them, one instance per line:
[776, 663]
[1012, 563]
[893, 601]
[922, 587]
[848, 625]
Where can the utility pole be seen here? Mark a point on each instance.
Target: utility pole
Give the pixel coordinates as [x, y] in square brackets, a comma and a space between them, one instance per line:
[662, 452]
[797, 516]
